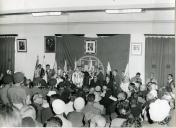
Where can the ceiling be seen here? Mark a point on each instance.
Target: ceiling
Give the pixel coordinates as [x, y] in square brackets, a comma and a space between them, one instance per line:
[23, 6]
[48, 5]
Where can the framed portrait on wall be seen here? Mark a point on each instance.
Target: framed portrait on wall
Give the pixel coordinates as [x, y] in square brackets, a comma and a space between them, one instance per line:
[22, 45]
[50, 44]
[136, 48]
[90, 46]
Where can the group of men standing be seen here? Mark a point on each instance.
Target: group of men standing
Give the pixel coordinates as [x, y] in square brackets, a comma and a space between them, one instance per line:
[77, 77]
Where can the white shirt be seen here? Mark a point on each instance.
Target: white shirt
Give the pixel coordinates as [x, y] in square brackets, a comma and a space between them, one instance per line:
[77, 78]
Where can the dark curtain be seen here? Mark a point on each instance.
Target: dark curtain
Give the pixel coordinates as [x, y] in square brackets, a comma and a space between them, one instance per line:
[7, 53]
[159, 58]
[114, 49]
[69, 48]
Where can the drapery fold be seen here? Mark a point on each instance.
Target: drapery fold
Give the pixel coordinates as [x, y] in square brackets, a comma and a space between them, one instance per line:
[7, 53]
[114, 49]
[160, 58]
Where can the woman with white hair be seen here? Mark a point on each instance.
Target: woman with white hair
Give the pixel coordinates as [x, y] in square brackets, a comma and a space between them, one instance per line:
[59, 109]
[77, 116]
[158, 113]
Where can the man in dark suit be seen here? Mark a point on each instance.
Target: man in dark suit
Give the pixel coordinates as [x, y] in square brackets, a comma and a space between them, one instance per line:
[116, 81]
[94, 82]
[170, 83]
[49, 72]
[100, 76]
[38, 73]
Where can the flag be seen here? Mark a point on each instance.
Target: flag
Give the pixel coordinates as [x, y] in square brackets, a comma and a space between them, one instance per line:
[127, 70]
[37, 62]
[75, 65]
[44, 67]
[65, 66]
[108, 68]
[90, 65]
[36, 65]
[55, 67]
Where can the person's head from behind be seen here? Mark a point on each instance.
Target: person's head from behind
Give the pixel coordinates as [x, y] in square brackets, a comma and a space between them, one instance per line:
[79, 104]
[7, 79]
[28, 111]
[91, 98]
[37, 98]
[53, 122]
[9, 117]
[98, 121]
[58, 106]
[18, 77]
[28, 122]
[52, 82]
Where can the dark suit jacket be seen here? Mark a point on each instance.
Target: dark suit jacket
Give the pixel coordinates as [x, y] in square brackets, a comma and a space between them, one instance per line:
[100, 77]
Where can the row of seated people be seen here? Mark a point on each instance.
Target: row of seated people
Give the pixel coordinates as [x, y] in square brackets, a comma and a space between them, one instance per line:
[130, 104]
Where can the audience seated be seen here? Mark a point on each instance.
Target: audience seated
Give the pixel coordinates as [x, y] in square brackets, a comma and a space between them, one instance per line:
[59, 109]
[77, 116]
[7, 83]
[10, 117]
[53, 122]
[111, 101]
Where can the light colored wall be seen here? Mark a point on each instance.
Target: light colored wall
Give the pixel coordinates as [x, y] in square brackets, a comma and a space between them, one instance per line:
[34, 33]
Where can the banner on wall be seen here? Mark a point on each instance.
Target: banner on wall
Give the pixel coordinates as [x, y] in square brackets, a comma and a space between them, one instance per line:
[114, 49]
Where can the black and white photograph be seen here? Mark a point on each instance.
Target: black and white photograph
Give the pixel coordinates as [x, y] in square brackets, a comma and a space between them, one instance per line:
[50, 45]
[136, 48]
[90, 46]
[87, 63]
[21, 45]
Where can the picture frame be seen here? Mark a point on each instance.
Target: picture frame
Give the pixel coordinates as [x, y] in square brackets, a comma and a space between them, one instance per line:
[90, 46]
[50, 44]
[136, 48]
[22, 45]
